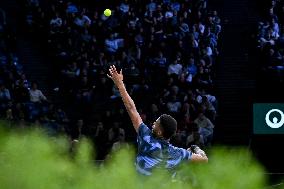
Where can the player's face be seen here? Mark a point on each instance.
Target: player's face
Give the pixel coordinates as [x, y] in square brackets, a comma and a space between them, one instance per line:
[156, 128]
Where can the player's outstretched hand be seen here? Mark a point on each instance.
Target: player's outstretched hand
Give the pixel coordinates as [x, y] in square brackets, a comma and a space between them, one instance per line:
[117, 77]
[195, 149]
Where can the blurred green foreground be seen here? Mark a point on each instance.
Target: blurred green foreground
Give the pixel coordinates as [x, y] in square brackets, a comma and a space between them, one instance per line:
[32, 160]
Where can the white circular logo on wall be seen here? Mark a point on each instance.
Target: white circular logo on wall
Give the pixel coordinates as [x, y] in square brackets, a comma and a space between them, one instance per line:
[274, 123]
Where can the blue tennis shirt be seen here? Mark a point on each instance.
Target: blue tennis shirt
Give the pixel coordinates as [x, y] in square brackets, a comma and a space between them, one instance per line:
[157, 153]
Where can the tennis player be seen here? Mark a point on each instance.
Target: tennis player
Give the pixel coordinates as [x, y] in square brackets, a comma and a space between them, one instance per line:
[154, 149]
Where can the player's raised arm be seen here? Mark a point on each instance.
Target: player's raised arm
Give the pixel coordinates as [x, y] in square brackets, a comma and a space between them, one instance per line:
[117, 78]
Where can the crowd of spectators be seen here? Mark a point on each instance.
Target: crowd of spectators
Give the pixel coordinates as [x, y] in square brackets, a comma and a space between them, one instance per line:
[167, 50]
[270, 37]
[21, 102]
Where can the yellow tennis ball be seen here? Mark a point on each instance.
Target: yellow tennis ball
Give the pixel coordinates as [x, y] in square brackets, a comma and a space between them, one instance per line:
[107, 12]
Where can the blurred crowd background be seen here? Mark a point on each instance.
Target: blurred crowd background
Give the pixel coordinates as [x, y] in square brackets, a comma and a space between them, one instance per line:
[167, 49]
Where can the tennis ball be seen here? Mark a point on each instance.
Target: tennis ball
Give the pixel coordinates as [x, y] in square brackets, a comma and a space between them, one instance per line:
[107, 12]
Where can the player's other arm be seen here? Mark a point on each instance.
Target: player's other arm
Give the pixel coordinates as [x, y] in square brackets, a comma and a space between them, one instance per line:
[117, 78]
[198, 158]
[198, 155]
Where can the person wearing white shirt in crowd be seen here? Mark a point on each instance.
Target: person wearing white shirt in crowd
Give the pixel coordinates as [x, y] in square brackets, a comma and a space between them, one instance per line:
[175, 68]
[36, 95]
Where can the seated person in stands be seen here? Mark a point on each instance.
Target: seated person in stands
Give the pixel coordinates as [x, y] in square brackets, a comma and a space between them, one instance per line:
[5, 97]
[36, 96]
[113, 44]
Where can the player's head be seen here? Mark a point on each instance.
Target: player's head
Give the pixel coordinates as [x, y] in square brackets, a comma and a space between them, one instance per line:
[164, 127]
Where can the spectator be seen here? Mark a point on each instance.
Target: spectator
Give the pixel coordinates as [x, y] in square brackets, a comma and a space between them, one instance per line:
[132, 71]
[113, 44]
[160, 60]
[85, 90]
[119, 143]
[5, 98]
[124, 7]
[71, 8]
[174, 105]
[194, 138]
[21, 93]
[116, 133]
[202, 92]
[36, 95]
[208, 107]
[56, 23]
[100, 139]
[23, 81]
[82, 20]
[205, 127]
[191, 70]
[175, 68]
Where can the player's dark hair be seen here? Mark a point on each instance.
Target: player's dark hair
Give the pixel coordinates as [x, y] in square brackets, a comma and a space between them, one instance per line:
[168, 125]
